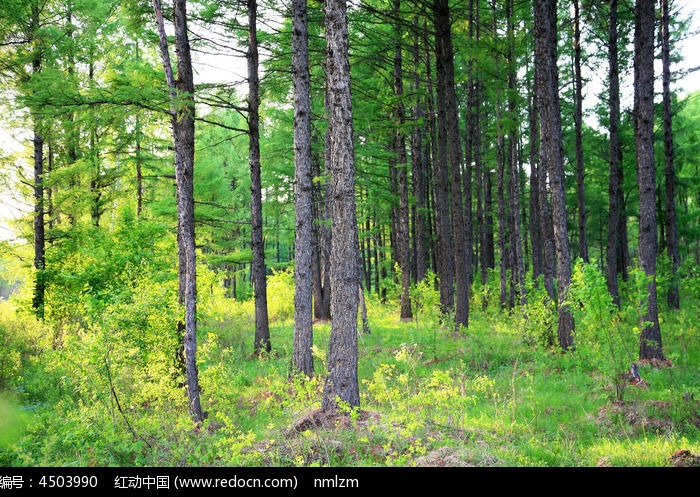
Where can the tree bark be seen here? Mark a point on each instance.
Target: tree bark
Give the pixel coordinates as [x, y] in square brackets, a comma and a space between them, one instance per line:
[402, 227]
[342, 385]
[547, 81]
[578, 124]
[516, 246]
[615, 181]
[262, 342]
[302, 358]
[535, 223]
[444, 262]
[182, 111]
[673, 297]
[39, 226]
[450, 155]
[321, 242]
[650, 340]
[418, 169]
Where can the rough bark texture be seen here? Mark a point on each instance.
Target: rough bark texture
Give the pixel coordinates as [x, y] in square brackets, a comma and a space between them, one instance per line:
[535, 231]
[444, 263]
[547, 83]
[321, 248]
[650, 340]
[262, 329]
[39, 226]
[402, 227]
[342, 385]
[184, 173]
[615, 181]
[418, 169]
[516, 245]
[302, 358]
[450, 153]
[470, 154]
[182, 112]
[673, 296]
[578, 124]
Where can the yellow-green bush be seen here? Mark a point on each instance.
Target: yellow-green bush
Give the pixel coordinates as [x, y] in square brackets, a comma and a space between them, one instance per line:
[280, 295]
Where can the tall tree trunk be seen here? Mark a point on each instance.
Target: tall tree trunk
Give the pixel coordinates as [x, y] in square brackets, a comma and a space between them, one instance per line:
[650, 340]
[615, 181]
[302, 358]
[182, 111]
[578, 124]
[184, 149]
[535, 223]
[368, 267]
[673, 296]
[139, 168]
[500, 194]
[518, 276]
[471, 153]
[418, 169]
[321, 242]
[262, 342]
[489, 244]
[342, 383]
[480, 195]
[402, 227]
[444, 263]
[39, 227]
[450, 152]
[503, 248]
[547, 82]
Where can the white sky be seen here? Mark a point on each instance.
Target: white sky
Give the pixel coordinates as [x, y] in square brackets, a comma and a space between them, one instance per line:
[687, 84]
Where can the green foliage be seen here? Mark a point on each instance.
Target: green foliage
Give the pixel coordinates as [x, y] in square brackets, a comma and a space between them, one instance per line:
[101, 376]
[605, 339]
[13, 420]
[489, 397]
[425, 298]
[280, 296]
[93, 268]
[22, 338]
[539, 319]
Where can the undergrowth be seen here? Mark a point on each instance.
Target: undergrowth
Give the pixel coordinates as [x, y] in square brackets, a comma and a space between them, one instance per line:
[497, 393]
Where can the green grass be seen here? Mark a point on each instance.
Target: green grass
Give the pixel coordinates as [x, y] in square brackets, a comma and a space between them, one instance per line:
[487, 396]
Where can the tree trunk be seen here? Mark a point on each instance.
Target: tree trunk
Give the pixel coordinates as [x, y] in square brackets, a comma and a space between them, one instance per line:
[615, 181]
[342, 385]
[470, 153]
[402, 226]
[39, 227]
[418, 169]
[503, 248]
[547, 83]
[262, 330]
[516, 247]
[500, 194]
[182, 112]
[184, 149]
[578, 124]
[302, 358]
[673, 296]
[444, 263]
[450, 154]
[650, 340]
[321, 241]
[535, 223]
